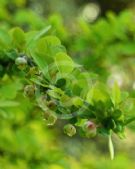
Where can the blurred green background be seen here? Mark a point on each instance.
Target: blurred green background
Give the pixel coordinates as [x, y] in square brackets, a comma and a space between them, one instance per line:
[98, 34]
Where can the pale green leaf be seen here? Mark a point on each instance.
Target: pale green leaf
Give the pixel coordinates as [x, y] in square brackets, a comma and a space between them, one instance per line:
[116, 94]
[64, 63]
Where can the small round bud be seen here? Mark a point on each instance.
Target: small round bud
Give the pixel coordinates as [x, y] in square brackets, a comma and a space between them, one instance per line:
[90, 129]
[70, 130]
[51, 104]
[50, 118]
[21, 62]
[29, 90]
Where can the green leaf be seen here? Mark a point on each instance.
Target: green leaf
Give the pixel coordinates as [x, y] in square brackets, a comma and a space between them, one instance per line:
[124, 95]
[64, 63]
[116, 94]
[66, 101]
[117, 114]
[5, 39]
[12, 54]
[42, 32]
[36, 81]
[77, 101]
[128, 106]
[97, 93]
[48, 47]
[43, 51]
[18, 37]
[84, 79]
[40, 60]
[129, 120]
[9, 88]
[55, 92]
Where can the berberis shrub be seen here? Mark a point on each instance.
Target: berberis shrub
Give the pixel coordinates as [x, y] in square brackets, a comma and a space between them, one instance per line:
[61, 88]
